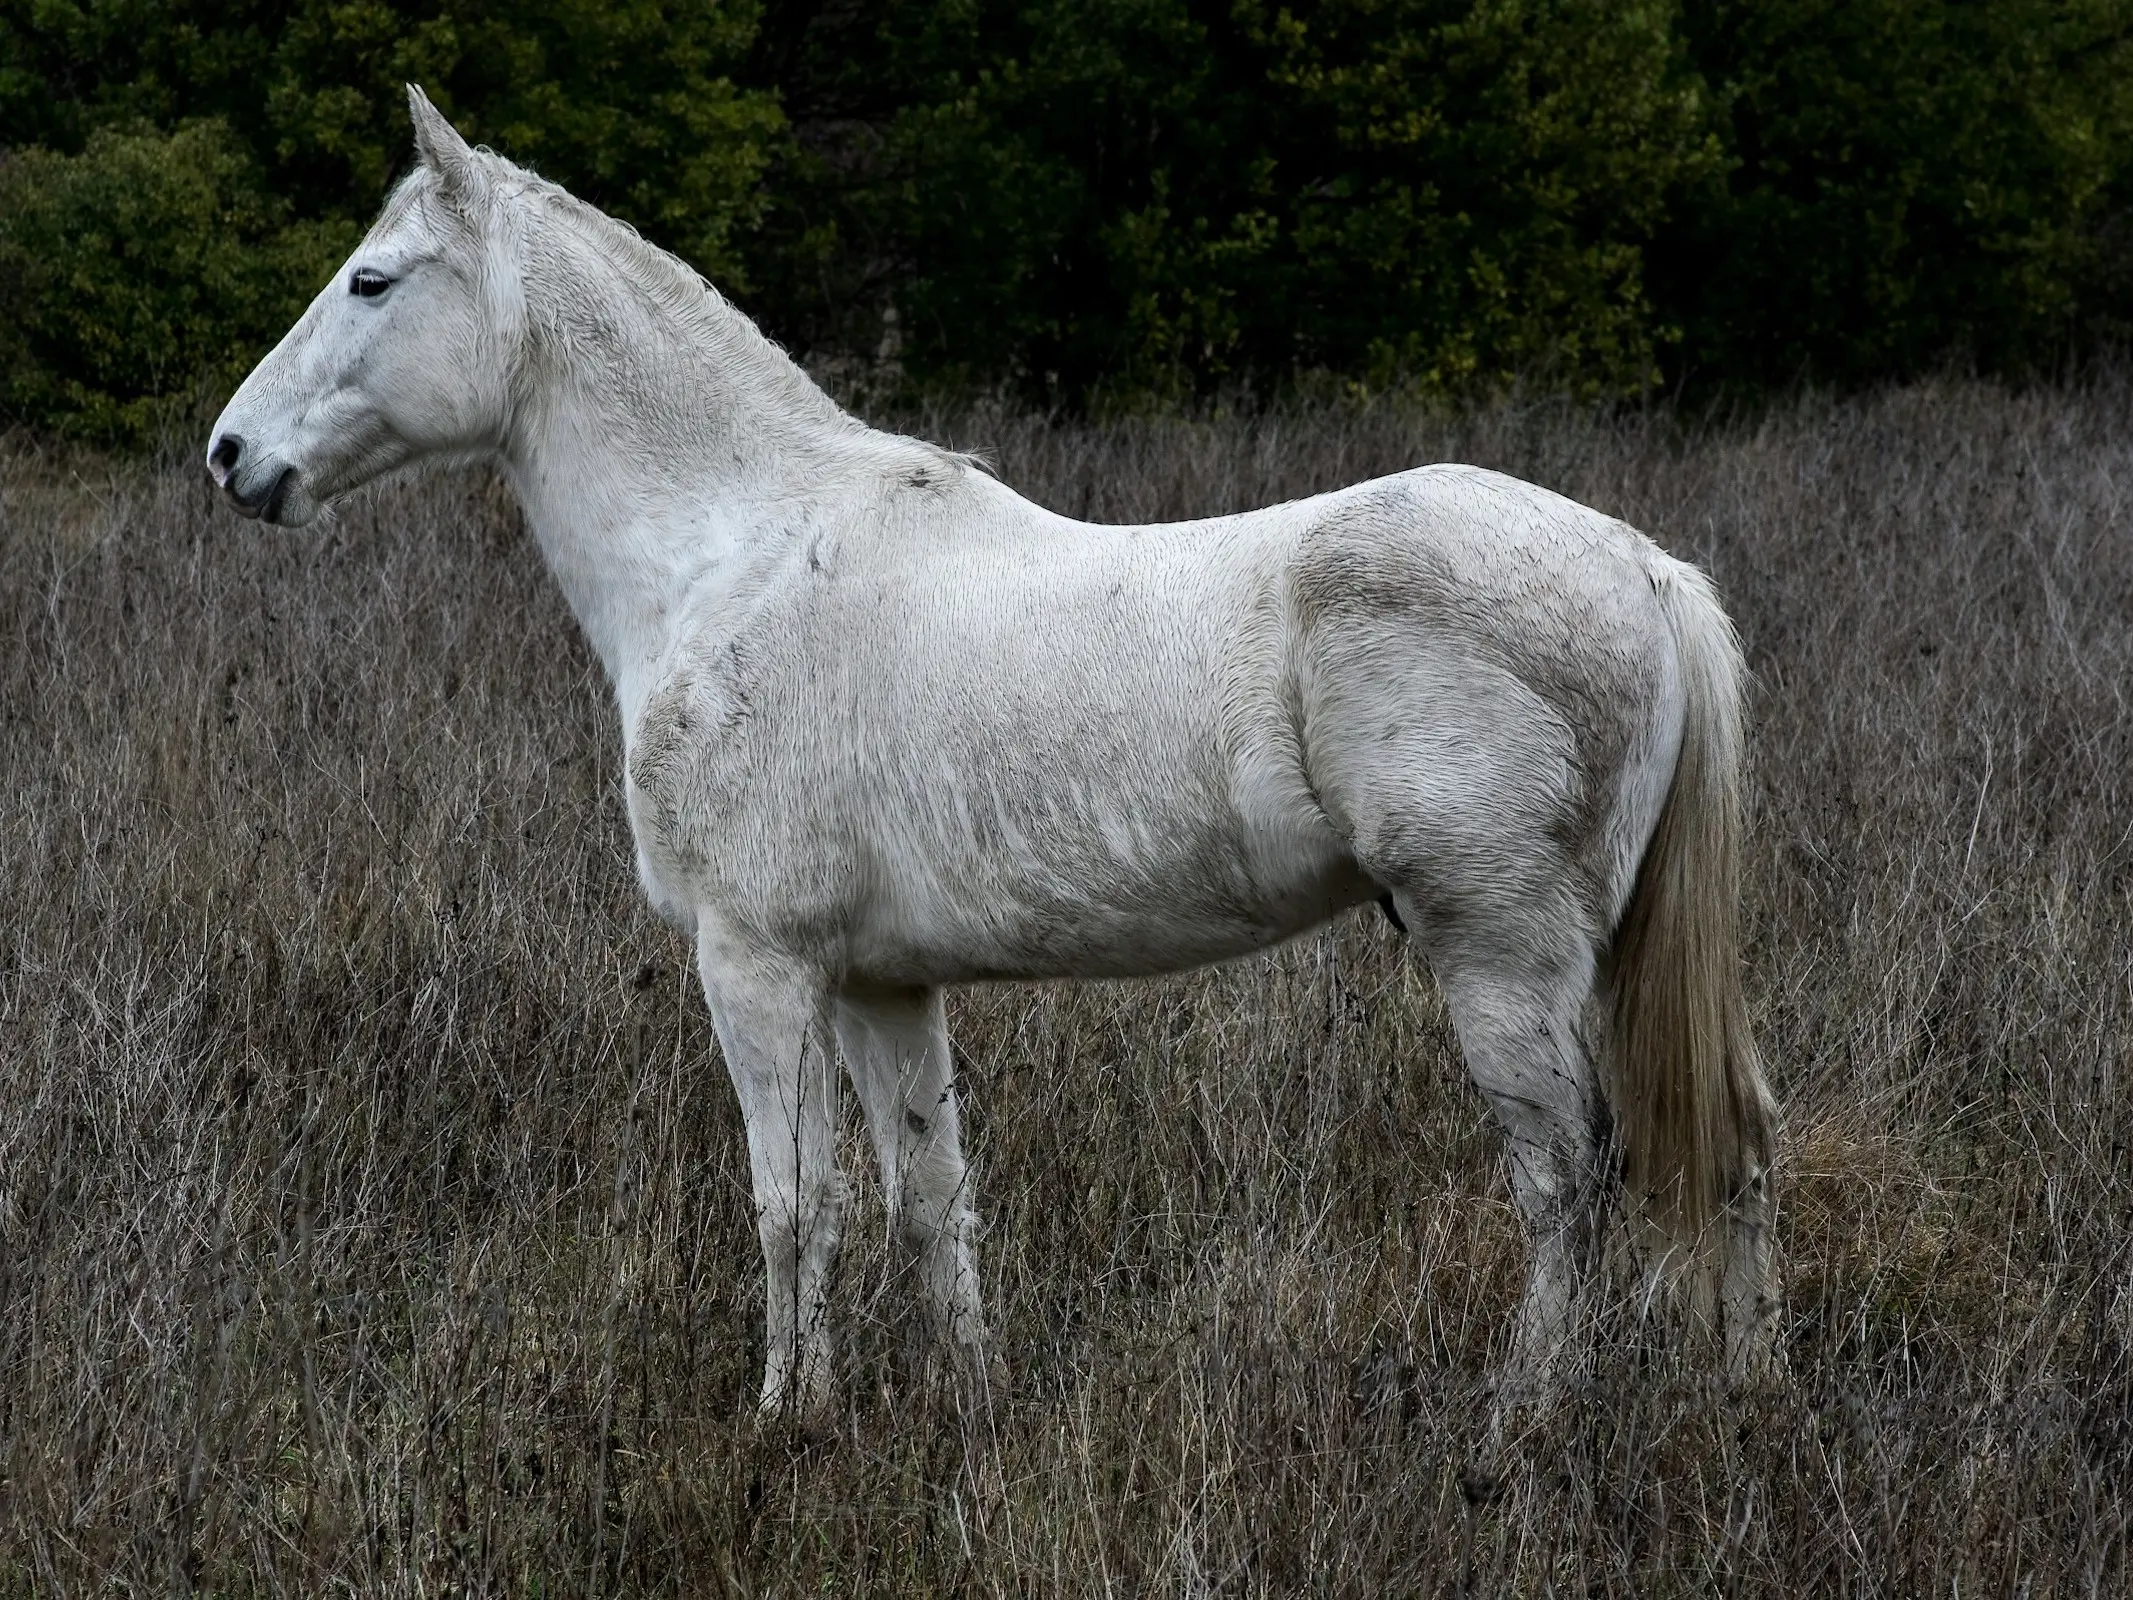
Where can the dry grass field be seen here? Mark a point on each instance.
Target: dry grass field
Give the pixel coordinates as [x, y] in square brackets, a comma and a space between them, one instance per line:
[373, 1208]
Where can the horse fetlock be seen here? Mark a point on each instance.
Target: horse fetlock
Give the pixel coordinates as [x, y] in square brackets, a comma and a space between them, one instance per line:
[796, 1375]
[1750, 1291]
[940, 1246]
[1750, 1312]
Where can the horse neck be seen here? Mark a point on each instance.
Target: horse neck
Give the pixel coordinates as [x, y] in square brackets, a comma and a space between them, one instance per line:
[651, 427]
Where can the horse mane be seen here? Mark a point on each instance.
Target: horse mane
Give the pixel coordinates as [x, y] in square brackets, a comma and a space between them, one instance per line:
[679, 292]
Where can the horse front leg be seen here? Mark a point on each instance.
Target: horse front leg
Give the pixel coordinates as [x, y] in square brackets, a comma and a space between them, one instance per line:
[768, 1011]
[895, 1044]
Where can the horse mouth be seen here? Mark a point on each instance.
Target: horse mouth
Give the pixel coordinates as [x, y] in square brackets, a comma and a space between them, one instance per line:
[267, 502]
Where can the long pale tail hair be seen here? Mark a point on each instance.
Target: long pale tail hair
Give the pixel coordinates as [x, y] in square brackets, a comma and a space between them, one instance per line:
[1695, 1121]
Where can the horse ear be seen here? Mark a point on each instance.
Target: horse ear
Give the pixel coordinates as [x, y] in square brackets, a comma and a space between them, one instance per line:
[438, 142]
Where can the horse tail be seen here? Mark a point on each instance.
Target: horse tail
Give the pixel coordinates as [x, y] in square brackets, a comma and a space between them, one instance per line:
[1696, 1123]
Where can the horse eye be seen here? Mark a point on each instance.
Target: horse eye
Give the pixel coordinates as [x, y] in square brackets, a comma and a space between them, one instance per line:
[369, 283]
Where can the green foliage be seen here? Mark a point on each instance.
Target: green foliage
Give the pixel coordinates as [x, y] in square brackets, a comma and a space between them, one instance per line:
[1096, 200]
[1471, 184]
[622, 101]
[629, 104]
[132, 273]
[1907, 178]
[1157, 194]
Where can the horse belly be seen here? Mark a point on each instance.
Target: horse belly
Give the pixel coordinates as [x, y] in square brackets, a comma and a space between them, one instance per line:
[1118, 891]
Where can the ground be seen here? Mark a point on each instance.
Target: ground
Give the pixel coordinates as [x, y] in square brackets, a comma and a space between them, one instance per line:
[373, 1209]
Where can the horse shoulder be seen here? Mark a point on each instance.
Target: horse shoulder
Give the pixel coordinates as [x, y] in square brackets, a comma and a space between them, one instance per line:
[740, 791]
[673, 750]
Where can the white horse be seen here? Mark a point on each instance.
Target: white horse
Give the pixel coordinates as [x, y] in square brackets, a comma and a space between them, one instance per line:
[889, 727]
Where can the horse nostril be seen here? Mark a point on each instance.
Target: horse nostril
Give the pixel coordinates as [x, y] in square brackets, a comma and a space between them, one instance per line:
[223, 458]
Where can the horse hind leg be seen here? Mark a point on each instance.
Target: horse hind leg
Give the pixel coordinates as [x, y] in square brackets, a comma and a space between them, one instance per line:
[1517, 978]
[1748, 1285]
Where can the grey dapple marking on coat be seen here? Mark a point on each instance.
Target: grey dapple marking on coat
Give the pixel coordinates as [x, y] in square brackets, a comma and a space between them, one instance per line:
[890, 727]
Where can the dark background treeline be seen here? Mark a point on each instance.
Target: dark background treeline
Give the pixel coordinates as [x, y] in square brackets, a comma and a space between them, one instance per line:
[1110, 201]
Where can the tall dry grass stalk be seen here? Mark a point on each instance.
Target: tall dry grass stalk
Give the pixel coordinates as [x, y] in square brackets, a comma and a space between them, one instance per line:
[374, 1216]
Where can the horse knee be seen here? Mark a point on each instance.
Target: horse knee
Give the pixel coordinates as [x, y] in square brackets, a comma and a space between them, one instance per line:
[803, 1225]
[934, 1203]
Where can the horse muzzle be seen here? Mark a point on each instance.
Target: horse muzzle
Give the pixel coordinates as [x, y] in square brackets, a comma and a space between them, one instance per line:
[266, 489]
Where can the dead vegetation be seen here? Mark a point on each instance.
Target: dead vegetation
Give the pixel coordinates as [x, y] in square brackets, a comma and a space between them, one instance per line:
[373, 1210]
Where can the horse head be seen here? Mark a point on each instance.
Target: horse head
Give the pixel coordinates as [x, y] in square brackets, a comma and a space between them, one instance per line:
[405, 356]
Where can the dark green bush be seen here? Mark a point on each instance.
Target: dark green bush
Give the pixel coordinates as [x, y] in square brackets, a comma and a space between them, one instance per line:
[1906, 179]
[625, 102]
[156, 266]
[1149, 193]
[1109, 199]
[1162, 193]
[628, 102]
[139, 271]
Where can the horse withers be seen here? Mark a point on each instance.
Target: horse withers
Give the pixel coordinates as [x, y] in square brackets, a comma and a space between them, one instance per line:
[891, 727]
